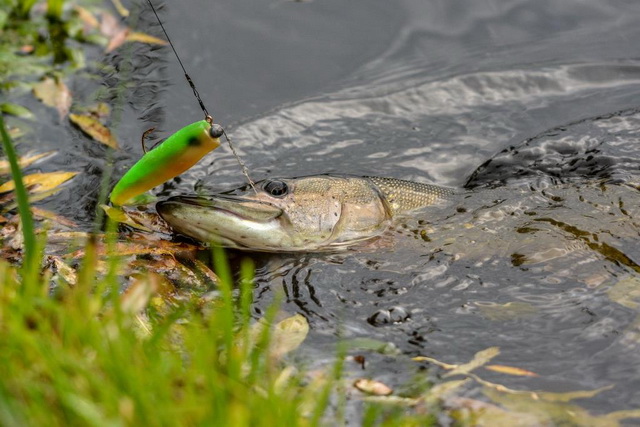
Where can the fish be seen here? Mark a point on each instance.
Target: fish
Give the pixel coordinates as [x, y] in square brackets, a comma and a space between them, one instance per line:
[307, 214]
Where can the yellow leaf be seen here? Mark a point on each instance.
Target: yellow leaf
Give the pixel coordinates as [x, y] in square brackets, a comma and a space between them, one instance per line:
[144, 38]
[373, 387]
[137, 296]
[480, 359]
[510, 370]
[45, 214]
[96, 130]
[289, 334]
[24, 161]
[54, 93]
[64, 270]
[41, 182]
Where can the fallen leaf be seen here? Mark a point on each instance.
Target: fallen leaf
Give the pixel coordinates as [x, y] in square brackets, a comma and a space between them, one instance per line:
[393, 400]
[45, 214]
[16, 110]
[24, 161]
[54, 93]
[288, 335]
[40, 182]
[101, 110]
[137, 296]
[510, 370]
[373, 387]
[144, 38]
[480, 359]
[63, 270]
[96, 130]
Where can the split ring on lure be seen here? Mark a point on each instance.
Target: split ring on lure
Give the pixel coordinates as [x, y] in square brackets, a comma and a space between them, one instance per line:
[178, 153]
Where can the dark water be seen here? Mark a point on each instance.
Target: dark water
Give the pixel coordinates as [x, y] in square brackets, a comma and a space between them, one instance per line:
[529, 105]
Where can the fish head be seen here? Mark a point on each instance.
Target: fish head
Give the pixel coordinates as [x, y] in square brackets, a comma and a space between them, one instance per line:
[283, 215]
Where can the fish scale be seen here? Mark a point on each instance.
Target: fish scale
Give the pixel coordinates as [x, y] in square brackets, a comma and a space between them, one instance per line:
[402, 195]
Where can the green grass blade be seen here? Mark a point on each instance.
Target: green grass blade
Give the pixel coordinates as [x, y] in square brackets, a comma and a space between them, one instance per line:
[30, 247]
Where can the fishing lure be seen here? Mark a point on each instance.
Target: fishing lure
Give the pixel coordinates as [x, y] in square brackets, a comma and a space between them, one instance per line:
[178, 153]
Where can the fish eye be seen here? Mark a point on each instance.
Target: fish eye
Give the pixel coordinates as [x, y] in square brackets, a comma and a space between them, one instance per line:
[216, 131]
[276, 188]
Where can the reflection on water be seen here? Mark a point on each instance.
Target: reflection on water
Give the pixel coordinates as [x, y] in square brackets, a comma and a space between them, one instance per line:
[531, 104]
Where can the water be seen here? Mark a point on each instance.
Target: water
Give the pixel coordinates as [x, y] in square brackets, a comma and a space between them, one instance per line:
[527, 106]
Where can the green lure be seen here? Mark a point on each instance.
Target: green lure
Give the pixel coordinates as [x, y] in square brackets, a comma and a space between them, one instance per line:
[178, 153]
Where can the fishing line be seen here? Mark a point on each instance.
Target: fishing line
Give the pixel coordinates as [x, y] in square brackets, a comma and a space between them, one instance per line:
[207, 116]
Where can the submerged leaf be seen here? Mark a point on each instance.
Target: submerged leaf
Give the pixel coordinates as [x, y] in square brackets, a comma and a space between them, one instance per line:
[481, 358]
[54, 93]
[24, 161]
[41, 182]
[510, 370]
[289, 334]
[96, 130]
[45, 214]
[144, 38]
[626, 292]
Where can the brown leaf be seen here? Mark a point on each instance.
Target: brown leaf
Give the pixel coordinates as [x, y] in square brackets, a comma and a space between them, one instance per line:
[24, 161]
[96, 130]
[64, 270]
[45, 214]
[373, 387]
[510, 370]
[54, 93]
[41, 182]
[144, 38]
[137, 296]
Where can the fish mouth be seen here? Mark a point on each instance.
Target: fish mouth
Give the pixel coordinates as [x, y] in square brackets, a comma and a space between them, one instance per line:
[243, 208]
[230, 221]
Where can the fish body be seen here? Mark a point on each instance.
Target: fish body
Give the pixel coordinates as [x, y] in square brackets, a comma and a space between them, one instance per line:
[315, 213]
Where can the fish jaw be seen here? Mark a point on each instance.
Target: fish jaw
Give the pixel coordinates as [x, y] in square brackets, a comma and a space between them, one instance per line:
[226, 221]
